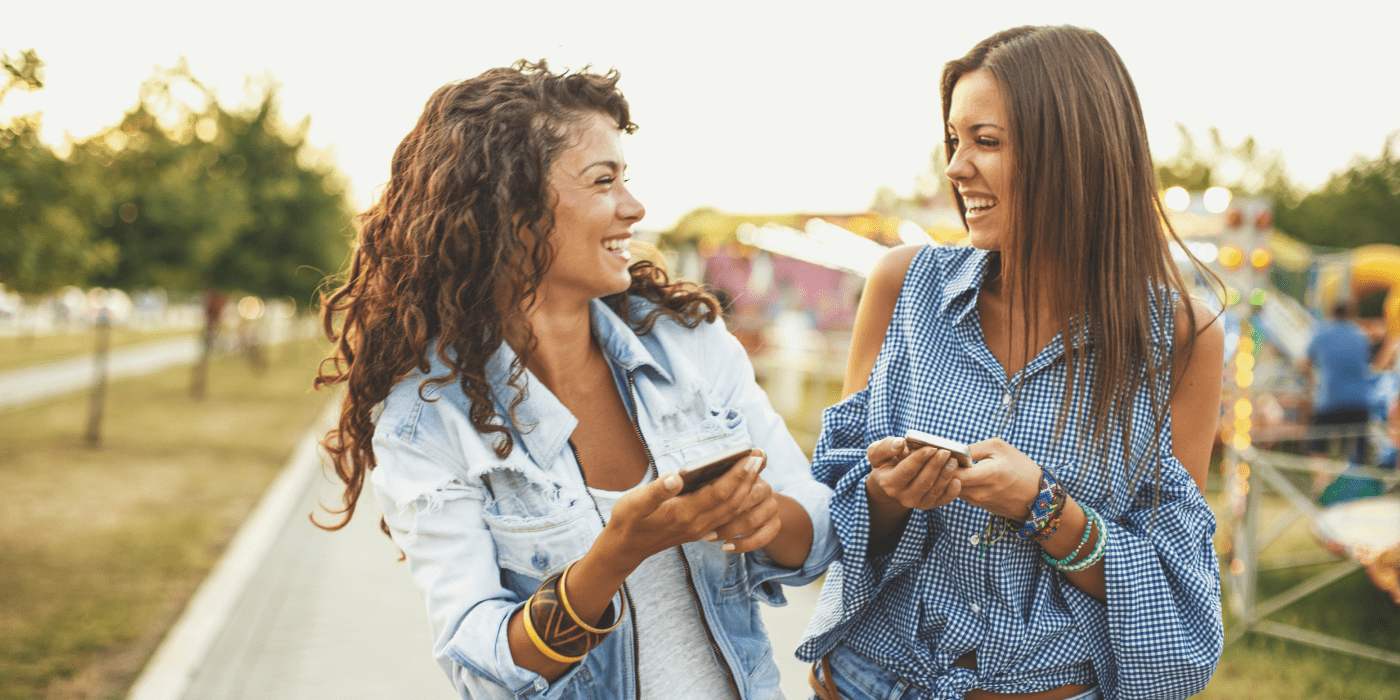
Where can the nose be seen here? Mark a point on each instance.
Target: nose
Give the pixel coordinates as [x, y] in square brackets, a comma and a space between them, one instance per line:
[958, 166]
[629, 208]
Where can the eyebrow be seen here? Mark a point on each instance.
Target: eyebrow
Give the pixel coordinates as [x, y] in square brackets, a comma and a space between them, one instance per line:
[977, 126]
[609, 164]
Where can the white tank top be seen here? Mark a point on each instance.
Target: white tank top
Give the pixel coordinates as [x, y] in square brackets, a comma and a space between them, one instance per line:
[676, 660]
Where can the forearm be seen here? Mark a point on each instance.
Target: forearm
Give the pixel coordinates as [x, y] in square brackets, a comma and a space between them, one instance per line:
[1073, 524]
[887, 520]
[590, 585]
[794, 540]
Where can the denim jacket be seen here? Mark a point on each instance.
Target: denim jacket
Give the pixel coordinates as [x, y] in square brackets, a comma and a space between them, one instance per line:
[480, 533]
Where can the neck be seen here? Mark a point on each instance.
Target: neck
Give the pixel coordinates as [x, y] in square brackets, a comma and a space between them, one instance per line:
[563, 341]
[999, 290]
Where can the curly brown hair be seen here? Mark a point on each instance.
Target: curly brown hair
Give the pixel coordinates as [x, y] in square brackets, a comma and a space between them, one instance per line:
[458, 244]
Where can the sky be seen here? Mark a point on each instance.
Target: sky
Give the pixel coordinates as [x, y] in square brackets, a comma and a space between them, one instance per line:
[753, 107]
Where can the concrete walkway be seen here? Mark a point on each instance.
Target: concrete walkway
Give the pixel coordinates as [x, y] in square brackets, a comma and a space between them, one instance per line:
[293, 612]
[38, 382]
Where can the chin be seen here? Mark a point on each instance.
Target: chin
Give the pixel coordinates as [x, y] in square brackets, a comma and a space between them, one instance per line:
[984, 240]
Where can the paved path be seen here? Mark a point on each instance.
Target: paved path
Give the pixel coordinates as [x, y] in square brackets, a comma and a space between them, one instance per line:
[297, 613]
[27, 384]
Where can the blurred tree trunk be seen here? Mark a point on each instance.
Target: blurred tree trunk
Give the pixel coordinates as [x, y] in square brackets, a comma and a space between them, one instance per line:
[213, 312]
[99, 382]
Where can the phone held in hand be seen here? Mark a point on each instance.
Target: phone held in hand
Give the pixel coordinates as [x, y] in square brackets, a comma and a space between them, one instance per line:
[698, 472]
[918, 438]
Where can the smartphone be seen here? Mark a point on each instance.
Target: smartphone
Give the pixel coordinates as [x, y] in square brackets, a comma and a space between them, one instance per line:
[698, 472]
[918, 438]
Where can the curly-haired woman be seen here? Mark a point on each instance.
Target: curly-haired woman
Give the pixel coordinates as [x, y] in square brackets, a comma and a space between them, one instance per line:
[1074, 558]
[521, 396]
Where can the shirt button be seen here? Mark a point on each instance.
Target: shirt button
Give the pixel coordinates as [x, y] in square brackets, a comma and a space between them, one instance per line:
[976, 608]
[540, 684]
[1006, 399]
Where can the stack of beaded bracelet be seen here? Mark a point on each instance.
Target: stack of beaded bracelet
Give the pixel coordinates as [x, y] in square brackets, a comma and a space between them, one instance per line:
[1094, 522]
[555, 629]
[1046, 509]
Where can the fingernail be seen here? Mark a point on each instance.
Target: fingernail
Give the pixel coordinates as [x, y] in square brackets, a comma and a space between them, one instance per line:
[711, 537]
[950, 466]
[898, 443]
[753, 464]
[728, 547]
[672, 482]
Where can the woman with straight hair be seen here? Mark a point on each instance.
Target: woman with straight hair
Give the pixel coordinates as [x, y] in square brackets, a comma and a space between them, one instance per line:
[522, 394]
[1073, 557]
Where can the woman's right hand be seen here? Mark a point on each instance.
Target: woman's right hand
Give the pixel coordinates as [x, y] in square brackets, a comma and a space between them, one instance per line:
[654, 517]
[902, 480]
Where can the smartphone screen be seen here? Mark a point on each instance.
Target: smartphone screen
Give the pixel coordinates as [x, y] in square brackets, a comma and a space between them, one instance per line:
[699, 472]
[918, 438]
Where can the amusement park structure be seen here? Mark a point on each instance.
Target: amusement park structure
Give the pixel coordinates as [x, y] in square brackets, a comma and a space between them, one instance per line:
[1271, 291]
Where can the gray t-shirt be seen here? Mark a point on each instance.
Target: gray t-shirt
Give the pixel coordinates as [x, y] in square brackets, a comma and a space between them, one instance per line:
[676, 658]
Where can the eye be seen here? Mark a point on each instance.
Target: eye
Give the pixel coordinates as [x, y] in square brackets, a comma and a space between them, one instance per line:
[988, 142]
[605, 180]
[952, 144]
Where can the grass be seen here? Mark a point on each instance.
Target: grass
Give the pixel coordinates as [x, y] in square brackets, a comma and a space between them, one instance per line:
[19, 351]
[1259, 666]
[100, 549]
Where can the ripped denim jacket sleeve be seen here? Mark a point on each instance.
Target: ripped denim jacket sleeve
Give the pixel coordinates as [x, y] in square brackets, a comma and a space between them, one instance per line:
[439, 520]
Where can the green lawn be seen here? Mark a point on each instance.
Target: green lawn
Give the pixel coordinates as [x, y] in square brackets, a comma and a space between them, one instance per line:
[1260, 666]
[100, 549]
[19, 351]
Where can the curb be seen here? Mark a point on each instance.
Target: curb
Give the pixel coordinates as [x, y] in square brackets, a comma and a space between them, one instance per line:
[168, 674]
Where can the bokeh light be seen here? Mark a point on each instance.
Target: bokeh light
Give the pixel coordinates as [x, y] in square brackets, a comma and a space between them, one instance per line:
[1177, 198]
[1231, 256]
[250, 308]
[1217, 199]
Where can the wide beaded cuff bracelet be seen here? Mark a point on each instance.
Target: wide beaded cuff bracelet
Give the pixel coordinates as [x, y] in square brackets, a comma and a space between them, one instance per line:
[556, 630]
[1045, 509]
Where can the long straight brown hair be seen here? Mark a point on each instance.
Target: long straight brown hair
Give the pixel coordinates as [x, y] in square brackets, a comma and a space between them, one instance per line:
[1085, 205]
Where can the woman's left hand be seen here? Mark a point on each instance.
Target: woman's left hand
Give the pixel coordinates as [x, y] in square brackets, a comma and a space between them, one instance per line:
[1002, 480]
[757, 521]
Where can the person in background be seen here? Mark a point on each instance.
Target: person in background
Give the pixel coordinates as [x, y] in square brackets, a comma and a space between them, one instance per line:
[521, 393]
[1073, 559]
[1338, 375]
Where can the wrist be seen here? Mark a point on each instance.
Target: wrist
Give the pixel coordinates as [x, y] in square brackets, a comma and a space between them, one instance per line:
[609, 558]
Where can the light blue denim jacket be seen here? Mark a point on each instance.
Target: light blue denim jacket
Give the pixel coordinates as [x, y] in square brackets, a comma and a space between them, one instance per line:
[481, 532]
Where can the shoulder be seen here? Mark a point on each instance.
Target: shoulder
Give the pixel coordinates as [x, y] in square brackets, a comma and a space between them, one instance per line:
[1195, 317]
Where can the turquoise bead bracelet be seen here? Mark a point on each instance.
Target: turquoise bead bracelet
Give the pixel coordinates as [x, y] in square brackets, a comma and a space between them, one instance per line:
[1094, 521]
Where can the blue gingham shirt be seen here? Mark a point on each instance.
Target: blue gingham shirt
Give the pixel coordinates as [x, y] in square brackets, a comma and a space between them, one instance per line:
[938, 595]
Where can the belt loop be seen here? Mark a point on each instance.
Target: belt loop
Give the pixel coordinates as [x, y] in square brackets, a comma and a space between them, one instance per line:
[825, 686]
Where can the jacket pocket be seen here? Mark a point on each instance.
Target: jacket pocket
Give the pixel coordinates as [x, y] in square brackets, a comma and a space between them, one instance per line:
[536, 530]
[722, 427]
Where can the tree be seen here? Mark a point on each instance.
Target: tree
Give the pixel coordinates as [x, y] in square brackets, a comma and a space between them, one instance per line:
[45, 240]
[214, 197]
[1245, 169]
[1357, 207]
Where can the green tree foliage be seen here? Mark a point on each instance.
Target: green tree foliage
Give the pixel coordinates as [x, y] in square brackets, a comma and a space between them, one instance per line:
[1244, 168]
[45, 240]
[213, 197]
[179, 196]
[1356, 207]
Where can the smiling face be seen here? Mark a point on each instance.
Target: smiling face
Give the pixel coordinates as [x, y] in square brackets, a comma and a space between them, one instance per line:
[980, 164]
[593, 216]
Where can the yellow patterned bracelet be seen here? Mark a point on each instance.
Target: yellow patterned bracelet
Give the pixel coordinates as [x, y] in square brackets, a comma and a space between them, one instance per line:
[554, 627]
[540, 643]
